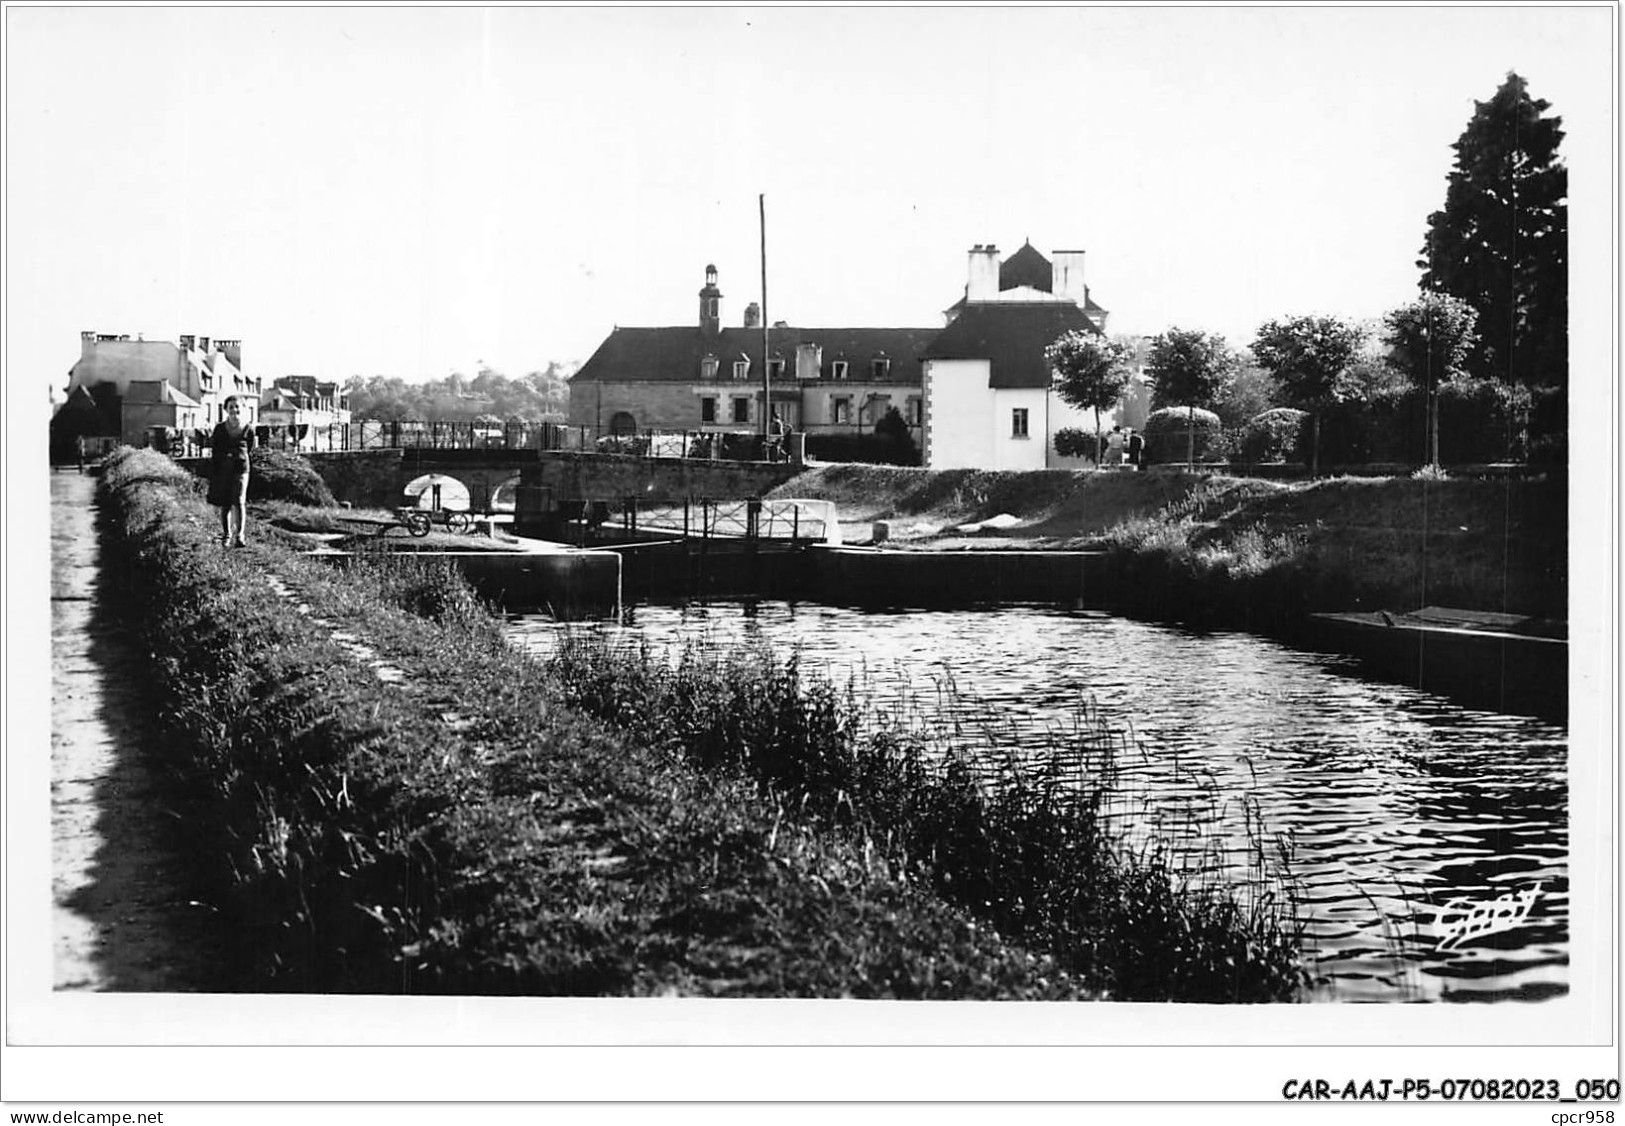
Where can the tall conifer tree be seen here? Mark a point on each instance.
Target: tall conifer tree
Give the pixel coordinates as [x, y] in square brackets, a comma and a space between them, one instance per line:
[1501, 243]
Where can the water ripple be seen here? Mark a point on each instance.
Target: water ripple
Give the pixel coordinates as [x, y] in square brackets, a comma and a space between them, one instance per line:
[1395, 803]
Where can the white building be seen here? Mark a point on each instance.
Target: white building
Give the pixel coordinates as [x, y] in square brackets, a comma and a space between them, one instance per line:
[181, 386]
[304, 412]
[986, 383]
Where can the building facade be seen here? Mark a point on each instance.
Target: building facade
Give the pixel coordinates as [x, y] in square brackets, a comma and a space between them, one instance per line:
[158, 384]
[302, 410]
[708, 377]
[986, 382]
[975, 392]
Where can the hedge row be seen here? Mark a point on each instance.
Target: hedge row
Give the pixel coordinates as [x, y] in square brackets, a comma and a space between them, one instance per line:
[460, 831]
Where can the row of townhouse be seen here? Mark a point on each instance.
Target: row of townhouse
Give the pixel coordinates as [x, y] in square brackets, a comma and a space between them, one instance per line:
[975, 392]
[139, 392]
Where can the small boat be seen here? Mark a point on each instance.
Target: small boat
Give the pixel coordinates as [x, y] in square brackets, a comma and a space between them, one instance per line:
[1504, 662]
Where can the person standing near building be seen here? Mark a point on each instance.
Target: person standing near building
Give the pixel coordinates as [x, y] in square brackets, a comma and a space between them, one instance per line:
[228, 472]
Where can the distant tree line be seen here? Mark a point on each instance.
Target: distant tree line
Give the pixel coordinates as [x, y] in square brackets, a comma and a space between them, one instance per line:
[1475, 368]
[490, 397]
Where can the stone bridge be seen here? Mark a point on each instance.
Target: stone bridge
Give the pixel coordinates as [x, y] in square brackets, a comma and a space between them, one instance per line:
[378, 478]
[543, 484]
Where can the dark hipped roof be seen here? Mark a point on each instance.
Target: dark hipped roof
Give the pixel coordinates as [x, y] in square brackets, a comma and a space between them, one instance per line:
[1027, 267]
[673, 355]
[1011, 337]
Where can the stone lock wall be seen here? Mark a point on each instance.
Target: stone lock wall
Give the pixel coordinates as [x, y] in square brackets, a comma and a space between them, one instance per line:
[559, 479]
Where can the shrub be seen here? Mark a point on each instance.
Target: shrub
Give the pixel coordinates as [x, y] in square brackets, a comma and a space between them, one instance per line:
[280, 475]
[871, 449]
[1165, 439]
[1271, 435]
[1070, 441]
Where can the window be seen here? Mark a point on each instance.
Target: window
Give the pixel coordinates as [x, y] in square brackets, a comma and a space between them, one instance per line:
[741, 410]
[837, 369]
[878, 368]
[741, 369]
[708, 409]
[775, 369]
[1018, 422]
[708, 368]
[912, 414]
[840, 411]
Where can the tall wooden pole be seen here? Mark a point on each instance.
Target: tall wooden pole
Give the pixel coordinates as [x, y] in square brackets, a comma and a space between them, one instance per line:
[767, 379]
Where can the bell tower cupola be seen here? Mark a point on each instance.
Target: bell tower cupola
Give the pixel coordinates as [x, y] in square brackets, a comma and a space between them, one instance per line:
[711, 304]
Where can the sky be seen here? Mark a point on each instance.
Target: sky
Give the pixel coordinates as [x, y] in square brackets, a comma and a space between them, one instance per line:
[412, 191]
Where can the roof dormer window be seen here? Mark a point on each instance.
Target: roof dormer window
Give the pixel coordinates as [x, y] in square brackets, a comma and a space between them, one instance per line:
[879, 367]
[708, 367]
[775, 369]
[741, 369]
[837, 369]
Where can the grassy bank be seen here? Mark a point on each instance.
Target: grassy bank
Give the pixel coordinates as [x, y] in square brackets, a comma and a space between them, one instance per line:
[1241, 552]
[449, 827]
[381, 796]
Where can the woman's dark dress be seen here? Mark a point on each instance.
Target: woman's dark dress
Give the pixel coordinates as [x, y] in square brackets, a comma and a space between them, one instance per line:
[228, 474]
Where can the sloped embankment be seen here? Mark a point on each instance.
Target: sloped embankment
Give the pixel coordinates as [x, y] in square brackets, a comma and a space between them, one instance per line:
[1342, 543]
[389, 801]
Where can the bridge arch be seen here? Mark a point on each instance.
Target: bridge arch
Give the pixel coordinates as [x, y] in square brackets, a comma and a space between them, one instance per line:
[505, 493]
[436, 491]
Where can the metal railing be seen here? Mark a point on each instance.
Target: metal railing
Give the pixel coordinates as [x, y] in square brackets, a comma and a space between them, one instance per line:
[788, 520]
[376, 434]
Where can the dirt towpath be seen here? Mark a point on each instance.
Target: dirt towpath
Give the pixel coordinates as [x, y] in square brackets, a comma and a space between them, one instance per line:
[121, 919]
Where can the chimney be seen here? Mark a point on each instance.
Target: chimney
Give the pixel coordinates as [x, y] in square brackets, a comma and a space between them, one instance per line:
[188, 343]
[1067, 275]
[87, 343]
[753, 315]
[203, 344]
[234, 352]
[983, 284]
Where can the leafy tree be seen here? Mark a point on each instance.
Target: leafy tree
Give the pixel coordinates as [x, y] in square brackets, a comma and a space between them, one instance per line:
[892, 425]
[1501, 243]
[1308, 355]
[1090, 372]
[389, 398]
[1431, 342]
[1192, 369]
[1250, 394]
[535, 397]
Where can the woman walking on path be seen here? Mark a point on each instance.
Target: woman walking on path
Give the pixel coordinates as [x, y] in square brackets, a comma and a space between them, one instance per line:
[228, 473]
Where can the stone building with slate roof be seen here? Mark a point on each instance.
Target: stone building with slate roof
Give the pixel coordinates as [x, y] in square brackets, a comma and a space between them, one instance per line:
[708, 377]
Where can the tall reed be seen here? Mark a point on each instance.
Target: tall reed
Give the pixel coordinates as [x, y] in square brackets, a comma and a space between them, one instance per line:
[1044, 853]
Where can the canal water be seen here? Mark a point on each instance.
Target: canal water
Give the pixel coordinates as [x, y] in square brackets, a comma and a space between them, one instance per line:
[1398, 811]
